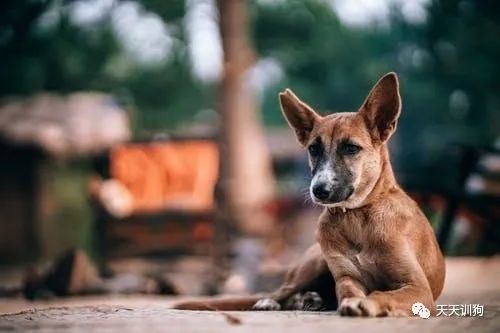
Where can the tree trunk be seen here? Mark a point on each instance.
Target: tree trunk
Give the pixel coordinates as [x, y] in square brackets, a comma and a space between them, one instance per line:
[246, 179]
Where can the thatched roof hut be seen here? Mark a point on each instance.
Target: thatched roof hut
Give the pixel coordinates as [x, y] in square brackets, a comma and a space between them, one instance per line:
[72, 125]
[34, 133]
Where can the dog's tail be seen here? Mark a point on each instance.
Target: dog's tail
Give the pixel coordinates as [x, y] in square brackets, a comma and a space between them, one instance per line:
[241, 303]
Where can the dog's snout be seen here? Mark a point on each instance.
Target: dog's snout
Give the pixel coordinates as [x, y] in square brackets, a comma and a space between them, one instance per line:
[326, 193]
[321, 191]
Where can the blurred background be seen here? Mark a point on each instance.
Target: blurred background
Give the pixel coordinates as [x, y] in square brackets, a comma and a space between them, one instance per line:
[146, 137]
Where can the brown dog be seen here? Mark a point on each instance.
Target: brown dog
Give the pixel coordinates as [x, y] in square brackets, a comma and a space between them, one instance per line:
[372, 238]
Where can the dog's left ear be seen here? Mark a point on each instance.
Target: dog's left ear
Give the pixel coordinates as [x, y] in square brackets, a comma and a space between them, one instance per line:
[300, 116]
[382, 107]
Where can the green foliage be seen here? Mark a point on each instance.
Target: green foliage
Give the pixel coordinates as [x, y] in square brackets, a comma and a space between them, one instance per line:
[450, 59]
[64, 58]
[325, 63]
[171, 11]
[462, 37]
[447, 67]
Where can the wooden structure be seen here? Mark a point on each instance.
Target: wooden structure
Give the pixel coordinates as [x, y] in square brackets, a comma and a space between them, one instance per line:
[162, 198]
[18, 201]
[36, 132]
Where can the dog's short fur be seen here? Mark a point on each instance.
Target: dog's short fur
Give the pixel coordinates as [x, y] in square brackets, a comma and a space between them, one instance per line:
[371, 237]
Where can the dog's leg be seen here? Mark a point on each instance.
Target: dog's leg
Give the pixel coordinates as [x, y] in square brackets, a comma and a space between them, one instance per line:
[410, 285]
[387, 303]
[348, 288]
[308, 269]
[399, 302]
[309, 274]
[413, 287]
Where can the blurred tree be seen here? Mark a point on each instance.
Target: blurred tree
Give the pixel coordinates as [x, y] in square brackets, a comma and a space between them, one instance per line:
[324, 62]
[59, 57]
[42, 49]
[462, 38]
[447, 65]
[246, 180]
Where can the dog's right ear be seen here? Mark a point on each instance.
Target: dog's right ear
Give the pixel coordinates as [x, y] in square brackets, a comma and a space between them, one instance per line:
[300, 116]
[382, 107]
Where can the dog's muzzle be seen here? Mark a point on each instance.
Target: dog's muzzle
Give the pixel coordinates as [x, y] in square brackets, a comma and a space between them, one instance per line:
[323, 193]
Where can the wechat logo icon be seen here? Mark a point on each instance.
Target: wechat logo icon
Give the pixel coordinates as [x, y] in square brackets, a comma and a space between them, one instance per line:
[420, 310]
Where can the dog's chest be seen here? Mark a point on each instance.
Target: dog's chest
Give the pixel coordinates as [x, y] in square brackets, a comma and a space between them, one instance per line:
[350, 242]
[365, 262]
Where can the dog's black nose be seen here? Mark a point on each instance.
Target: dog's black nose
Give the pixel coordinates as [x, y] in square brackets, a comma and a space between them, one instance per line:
[320, 191]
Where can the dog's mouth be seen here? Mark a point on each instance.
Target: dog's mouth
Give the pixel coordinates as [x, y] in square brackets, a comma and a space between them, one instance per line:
[336, 195]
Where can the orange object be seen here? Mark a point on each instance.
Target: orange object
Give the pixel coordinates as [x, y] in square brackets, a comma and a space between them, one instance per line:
[160, 175]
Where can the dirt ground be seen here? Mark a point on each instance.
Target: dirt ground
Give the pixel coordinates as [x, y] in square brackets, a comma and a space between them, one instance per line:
[469, 281]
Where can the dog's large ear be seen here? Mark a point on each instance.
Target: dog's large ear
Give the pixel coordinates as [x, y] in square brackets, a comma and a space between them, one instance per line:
[382, 107]
[300, 116]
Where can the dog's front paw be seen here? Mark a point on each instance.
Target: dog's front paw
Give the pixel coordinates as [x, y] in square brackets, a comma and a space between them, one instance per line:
[266, 304]
[358, 307]
[312, 301]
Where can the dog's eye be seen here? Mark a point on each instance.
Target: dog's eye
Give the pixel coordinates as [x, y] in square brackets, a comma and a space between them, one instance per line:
[315, 149]
[350, 149]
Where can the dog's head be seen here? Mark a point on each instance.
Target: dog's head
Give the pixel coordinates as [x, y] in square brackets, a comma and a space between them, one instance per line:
[346, 150]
